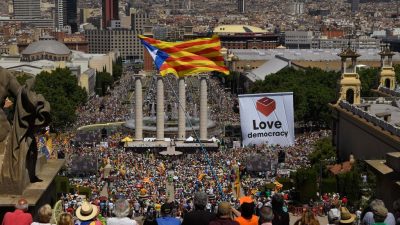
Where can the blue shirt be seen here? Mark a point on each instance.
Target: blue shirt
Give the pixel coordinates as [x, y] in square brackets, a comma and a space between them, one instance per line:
[168, 221]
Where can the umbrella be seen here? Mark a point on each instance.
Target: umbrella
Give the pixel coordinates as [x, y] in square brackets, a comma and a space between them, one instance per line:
[127, 139]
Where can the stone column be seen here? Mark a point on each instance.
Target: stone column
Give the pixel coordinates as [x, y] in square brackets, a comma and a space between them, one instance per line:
[181, 110]
[203, 107]
[138, 108]
[160, 109]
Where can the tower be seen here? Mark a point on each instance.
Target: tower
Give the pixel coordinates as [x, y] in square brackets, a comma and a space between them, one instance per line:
[349, 84]
[355, 4]
[66, 14]
[387, 76]
[26, 9]
[241, 6]
[60, 14]
[109, 12]
[72, 15]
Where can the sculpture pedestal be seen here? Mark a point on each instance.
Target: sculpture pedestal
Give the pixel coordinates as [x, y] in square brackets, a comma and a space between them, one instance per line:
[37, 194]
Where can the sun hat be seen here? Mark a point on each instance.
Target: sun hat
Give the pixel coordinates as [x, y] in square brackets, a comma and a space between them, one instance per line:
[86, 211]
[346, 216]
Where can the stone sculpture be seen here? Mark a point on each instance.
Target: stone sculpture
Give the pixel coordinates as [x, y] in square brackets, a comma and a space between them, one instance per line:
[18, 148]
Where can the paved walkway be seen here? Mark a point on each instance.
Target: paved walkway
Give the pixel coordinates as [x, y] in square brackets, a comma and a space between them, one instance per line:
[104, 191]
[170, 189]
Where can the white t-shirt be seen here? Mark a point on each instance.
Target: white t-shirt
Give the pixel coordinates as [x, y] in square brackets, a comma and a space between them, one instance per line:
[121, 221]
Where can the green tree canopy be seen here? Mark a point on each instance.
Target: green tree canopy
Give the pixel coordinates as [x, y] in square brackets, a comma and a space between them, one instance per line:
[323, 150]
[313, 89]
[103, 81]
[61, 89]
[117, 68]
[397, 71]
[369, 80]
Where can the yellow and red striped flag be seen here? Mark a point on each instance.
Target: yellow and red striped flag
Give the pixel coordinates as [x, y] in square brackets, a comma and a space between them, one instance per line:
[186, 58]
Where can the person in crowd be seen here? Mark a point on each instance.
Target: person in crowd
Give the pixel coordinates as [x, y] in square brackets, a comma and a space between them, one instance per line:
[266, 215]
[334, 214]
[19, 216]
[346, 217]
[87, 214]
[224, 215]
[368, 218]
[151, 216]
[307, 218]
[280, 217]
[199, 215]
[166, 216]
[396, 211]
[121, 211]
[380, 214]
[65, 219]
[45, 212]
[246, 215]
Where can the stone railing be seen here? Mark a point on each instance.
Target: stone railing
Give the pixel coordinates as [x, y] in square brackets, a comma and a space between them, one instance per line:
[370, 118]
[389, 92]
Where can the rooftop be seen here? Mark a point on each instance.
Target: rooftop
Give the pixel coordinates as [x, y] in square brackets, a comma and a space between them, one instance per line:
[306, 54]
[238, 29]
[380, 166]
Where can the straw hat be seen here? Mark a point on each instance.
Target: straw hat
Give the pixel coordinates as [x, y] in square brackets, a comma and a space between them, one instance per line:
[86, 211]
[346, 216]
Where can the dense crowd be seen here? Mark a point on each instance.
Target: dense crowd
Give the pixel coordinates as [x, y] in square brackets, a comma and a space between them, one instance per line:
[108, 108]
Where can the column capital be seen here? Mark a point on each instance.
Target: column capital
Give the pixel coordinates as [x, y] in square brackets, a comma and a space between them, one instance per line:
[204, 76]
[138, 75]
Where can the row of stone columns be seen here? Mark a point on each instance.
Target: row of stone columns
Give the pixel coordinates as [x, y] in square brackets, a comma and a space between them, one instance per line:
[160, 108]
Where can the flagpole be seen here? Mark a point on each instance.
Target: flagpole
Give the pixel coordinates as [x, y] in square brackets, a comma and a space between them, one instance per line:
[199, 141]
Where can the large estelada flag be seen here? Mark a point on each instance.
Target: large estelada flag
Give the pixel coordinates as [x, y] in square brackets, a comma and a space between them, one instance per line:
[186, 58]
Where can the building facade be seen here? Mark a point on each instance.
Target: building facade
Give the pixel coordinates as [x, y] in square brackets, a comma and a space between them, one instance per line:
[298, 39]
[355, 5]
[241, 6]
[125, 41]
[29, 9]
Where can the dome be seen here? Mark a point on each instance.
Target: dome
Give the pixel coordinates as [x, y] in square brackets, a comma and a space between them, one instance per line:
[49, 46]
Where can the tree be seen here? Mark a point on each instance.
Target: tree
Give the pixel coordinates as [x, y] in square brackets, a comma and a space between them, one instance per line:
[61, 89]
[313, 89]
[23, 77]
[397, 71]
[117, 68]
[104, 80]
[323, 150]
[369, 80]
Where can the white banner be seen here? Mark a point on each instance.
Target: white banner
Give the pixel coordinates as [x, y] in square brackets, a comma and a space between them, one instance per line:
[267, 118]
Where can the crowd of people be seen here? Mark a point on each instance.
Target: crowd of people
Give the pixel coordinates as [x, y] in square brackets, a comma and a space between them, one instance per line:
[217, 188]
[108, 108]
[271, 211]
